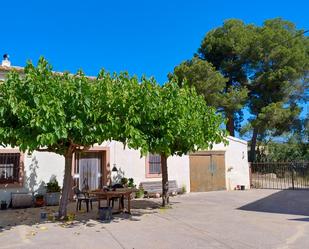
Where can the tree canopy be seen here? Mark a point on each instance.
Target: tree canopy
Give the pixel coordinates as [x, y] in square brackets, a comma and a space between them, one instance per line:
[279, 70]
[266, 68]
[295, 146]
[42, 109]
[204, 77]
[61, 113]
[172, 121]
[65, 113]
[227, 49]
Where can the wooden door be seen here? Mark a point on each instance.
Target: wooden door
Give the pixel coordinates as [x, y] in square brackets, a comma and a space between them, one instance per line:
[207, 171]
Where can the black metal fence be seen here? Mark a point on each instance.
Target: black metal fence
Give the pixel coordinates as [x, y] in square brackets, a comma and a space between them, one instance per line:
[280, 175]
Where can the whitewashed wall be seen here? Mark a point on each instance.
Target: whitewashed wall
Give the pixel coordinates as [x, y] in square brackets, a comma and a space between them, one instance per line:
[47, 163]
[236, 163]
[133, 165]
[42, 165]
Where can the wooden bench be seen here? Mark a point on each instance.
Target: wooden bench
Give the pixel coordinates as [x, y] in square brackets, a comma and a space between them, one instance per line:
[155, 187]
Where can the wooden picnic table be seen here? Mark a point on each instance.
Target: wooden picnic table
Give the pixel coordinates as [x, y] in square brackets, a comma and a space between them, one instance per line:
[118, 193]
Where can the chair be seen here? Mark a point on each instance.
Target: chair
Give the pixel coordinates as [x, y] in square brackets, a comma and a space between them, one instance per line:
[80, 197]
[120, 199]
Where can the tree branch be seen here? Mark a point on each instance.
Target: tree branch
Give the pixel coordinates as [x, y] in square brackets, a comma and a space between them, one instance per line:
[45, 150]
[78, 147]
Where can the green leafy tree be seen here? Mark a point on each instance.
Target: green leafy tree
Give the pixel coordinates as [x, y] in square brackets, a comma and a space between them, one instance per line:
[61, 113]
[289, 151]
[227, 49]
[204, 77]
[278, 78]
[294, 147]
[171, 121]
[266, 68]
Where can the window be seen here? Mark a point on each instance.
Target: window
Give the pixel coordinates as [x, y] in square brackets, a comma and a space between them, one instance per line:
[153, 165]
[9, 167]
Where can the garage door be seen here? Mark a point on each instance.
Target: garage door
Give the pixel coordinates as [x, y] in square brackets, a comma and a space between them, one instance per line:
[207, 171]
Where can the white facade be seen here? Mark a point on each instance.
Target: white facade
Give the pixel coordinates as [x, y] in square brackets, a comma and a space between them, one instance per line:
[133, 166]
[236, 162]
[40, 166]
[47, 163]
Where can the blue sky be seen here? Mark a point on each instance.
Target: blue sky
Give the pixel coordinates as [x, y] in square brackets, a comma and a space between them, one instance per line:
[141, 37]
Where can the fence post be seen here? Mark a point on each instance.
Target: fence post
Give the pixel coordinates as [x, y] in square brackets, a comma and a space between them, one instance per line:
[292, 176]
[250, 174]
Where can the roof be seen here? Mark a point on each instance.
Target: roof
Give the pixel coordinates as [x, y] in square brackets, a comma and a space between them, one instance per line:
[235, 139]
[5, 69]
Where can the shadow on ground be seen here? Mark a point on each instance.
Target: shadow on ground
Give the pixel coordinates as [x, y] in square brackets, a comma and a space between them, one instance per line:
[301, 219]
[292, 202]
[31, 216]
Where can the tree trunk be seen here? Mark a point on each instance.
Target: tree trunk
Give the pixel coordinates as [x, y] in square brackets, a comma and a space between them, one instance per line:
[165, 197]
[253, 145]
[67, 184]
[230, 126]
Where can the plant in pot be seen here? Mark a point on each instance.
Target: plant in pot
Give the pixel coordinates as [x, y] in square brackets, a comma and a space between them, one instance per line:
[132, 186]
[124, 182]
[131, 183]
[139, 193]
[53, 189]
[39, 200]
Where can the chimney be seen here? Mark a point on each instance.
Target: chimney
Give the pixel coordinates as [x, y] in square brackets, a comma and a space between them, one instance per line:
[6, 62]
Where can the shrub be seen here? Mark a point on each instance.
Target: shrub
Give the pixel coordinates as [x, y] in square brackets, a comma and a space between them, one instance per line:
[131, 183]
[53, 186]
[184, 189]
[139, 193]
[124, 181]
[39, 196]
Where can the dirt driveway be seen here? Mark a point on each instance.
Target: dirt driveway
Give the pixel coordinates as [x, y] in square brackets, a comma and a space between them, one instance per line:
[238, 219]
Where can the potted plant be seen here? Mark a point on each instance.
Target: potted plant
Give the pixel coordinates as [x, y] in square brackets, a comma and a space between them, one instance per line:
[131, 183]
[139, 193]
[39, 200]
[124, 182]
[3, 205]
[53, 189]
[132, 186]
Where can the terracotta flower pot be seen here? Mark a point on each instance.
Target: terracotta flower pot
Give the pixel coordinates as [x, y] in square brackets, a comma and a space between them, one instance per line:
[39, 202]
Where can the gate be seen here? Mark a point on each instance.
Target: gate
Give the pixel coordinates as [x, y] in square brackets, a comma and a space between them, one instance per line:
[276, 175]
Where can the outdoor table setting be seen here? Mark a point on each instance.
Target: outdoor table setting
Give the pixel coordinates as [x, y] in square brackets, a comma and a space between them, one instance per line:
[108, 195]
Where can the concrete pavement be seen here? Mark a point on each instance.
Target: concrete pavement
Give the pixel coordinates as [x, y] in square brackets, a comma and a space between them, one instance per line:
[237, 219]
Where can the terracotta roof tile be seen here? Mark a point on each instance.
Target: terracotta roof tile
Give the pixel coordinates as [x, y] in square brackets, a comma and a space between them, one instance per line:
[21, 70]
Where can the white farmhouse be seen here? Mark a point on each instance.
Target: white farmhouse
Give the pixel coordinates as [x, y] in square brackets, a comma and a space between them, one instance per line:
[222, 168]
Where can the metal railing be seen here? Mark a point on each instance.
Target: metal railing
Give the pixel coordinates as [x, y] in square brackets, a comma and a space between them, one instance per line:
[280, 175]
[9, 167]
